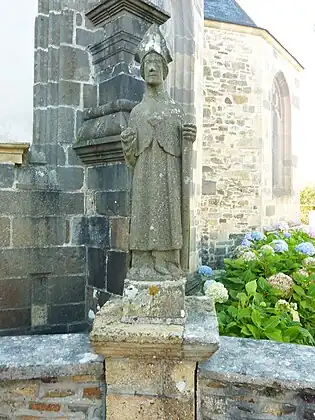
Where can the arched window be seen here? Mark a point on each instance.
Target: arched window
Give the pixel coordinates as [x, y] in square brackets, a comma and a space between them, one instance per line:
[281, 137]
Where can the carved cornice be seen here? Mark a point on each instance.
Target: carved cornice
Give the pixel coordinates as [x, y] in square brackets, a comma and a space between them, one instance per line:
[108, 9]
[13, 152]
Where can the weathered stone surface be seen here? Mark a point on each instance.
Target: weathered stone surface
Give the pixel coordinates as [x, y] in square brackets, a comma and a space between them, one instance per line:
[29, 357]
[90, 231]
[43, 203]
[5, 231]
[154, 301]
[117, 266]
[113, 338]
[116, 203]
[97, 268]
[39, 231]
[109, 178]
[74, 64]
[257, 379]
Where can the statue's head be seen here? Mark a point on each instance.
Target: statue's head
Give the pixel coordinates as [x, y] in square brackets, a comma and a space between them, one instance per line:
[154, 56]
[153, 69]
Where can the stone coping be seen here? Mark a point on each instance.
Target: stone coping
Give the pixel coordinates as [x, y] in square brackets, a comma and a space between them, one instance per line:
[13, 152]
[261, 362]
[196, 340]
[32, 357]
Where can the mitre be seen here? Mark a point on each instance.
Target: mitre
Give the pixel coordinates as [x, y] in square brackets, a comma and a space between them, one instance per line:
[153, 41]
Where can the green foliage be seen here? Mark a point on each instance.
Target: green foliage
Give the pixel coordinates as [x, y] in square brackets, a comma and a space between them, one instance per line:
[253, 309]
[307, 199]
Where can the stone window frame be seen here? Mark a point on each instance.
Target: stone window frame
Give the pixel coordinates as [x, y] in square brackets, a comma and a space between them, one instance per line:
[281, 137]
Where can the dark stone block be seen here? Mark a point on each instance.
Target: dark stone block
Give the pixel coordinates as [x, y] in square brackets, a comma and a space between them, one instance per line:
[66, 314]
[40, 95]
[113, 203]
[16, 318]
[39, 289]
[41, 203]
[52, 154]
[90, 231]
[89, 96]
[117, 265]
[66, 123]
[122, 86]
[41, 66]
[96, 268]
[39, 126]
[43, 7]
[15, 293]
[79, 327]
[69, 93]
[209, 187]
[53, 64]
[39, 231]
[109, 178]
[54, 29]
[66, 289]
[6, 175]
[270, 210]
[57, 261]
[5, 231]
[119, 233]
[86, 37]
[74, 64]
[70, 178]
[37, 178]
[67, 25]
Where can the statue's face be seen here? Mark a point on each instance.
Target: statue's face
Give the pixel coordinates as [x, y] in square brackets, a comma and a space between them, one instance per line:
[153, 69]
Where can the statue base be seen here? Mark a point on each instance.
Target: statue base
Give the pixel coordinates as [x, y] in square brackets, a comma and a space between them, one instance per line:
[159, 300]
[151, 369]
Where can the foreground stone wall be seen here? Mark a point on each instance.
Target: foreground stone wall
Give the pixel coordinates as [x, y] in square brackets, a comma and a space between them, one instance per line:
[257, 380]
[240, 65]
[35, 385]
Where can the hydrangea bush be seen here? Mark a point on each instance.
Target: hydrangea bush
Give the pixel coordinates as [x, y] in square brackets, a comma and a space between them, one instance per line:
[267, 290]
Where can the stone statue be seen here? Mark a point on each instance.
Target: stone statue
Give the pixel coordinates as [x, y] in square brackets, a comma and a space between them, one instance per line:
[153, 146]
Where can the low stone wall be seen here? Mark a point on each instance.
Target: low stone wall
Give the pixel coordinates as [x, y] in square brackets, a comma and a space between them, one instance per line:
[50, 377]
[257, 380]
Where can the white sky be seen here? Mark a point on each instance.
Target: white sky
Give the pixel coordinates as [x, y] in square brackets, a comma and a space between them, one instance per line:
[292, 22]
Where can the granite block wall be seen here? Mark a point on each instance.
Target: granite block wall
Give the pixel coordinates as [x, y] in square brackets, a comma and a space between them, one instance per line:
[70, 386]
[257, 380]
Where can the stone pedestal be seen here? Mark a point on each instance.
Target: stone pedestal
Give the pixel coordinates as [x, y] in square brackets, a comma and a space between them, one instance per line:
[150, 368]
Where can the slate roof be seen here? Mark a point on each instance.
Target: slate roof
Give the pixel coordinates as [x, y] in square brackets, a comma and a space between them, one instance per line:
[227, 11]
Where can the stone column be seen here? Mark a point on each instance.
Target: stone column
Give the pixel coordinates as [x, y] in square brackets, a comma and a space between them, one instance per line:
[150, 368]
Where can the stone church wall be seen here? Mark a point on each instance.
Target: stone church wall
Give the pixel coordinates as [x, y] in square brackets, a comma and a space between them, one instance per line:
[237, 154]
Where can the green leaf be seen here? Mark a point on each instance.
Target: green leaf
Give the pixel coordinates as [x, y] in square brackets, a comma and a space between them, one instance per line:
[274, 335]
[292, 333]
[244, 313]
[251, 287]
[254, 330]
[256, 318]
[246, 331]
[243, 299]
[232, 311]
[272, 323]
[299, 290]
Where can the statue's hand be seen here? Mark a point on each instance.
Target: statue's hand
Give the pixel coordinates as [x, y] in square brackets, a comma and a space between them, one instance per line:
[189, 132]
[128, 136]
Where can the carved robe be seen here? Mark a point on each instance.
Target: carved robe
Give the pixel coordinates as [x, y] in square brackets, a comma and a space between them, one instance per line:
[155, 156]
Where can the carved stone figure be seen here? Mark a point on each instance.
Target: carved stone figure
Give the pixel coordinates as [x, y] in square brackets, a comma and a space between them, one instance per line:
[153, 146]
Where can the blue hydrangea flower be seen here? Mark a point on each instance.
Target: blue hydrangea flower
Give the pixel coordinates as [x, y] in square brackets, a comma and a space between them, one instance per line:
[257, 236]
[247, 243]
[279, 245]
[287, 235]
[306, 248]
[248, 236]
[205, 270]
